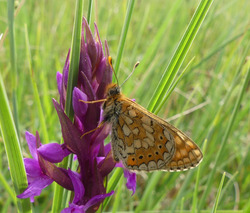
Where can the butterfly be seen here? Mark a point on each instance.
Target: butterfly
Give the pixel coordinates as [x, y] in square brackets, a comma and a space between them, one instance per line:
[144, 141]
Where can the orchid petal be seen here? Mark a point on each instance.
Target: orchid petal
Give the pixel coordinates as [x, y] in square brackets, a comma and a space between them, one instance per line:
[79, 107]
[59, 79]
[31, 140]
[78, 186]
[74, 208]
[35, 188]
[131, 180]
[53, 152]
[32, 167]
[97, 199]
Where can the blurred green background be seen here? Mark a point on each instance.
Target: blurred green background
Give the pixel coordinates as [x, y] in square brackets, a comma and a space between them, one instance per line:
[201, 105]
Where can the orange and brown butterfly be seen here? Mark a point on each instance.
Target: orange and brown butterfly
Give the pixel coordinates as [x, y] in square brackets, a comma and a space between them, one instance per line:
[144, 141]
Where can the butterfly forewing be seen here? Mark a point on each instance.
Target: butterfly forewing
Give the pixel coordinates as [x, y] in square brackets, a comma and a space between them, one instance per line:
[145, 142]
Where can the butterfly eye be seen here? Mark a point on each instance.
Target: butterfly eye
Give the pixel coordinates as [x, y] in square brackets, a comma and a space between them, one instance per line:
[149, 156]
[140, 157]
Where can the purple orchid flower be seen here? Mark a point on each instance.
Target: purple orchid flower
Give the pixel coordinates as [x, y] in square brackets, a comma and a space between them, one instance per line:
[94, 157]
[38, 178]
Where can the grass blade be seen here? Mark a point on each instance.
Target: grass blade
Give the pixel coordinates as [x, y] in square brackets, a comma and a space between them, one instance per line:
[35, 91]
[218, 193]
[195, 195]
[74, 58]
[89, 11]
[124, 35]
[14, 73]
[179, 54]
[13, 150]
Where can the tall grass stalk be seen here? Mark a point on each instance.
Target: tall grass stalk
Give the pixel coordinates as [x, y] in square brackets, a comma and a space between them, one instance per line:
[13, 62]
[13, 150]
[124, 35]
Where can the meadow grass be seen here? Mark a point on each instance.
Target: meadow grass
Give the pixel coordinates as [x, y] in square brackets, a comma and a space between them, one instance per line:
[212, 93]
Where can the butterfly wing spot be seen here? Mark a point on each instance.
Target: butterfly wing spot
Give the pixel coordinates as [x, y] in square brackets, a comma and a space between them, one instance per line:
[197, 153]
[183, 152]
[147, 128]
[130, 150]
[136, 131]
[180, 163]
[190, 144]
[152, 165]
[181, 135]
[149, 141]
[169, 146]
[143, 167]
[173, 164]
[132, 113]
[166, 156]
[186, 160]
[167, 134]
[178, 154]
[160, 137]
[146, 120]
[126, 130]
[128, 120]
[150, 137]
[191, 156]
[137, 144]
[160, 163]
[145, 144]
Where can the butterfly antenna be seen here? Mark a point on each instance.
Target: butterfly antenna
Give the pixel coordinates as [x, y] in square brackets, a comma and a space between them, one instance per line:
[111, 64]
[136, 65]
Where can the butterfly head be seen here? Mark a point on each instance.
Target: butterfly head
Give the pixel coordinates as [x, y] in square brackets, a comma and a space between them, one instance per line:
[113, 90]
